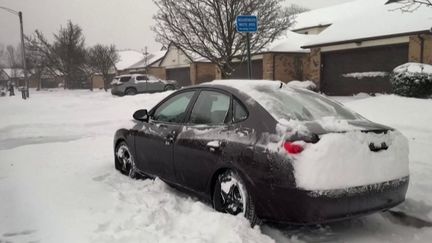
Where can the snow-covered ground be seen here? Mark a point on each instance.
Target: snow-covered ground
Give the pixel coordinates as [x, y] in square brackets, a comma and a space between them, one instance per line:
[58, 183]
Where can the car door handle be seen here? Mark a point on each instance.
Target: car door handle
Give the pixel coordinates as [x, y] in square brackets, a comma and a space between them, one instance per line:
[169, 139]
[215, 145]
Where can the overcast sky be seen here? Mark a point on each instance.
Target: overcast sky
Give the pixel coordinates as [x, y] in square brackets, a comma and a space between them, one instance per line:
[125, 23]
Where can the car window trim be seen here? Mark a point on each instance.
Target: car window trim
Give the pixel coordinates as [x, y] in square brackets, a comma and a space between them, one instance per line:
[233, 111]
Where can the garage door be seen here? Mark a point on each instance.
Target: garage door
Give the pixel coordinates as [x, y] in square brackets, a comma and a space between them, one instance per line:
[241, 71]
[181, 75]
[361, 70]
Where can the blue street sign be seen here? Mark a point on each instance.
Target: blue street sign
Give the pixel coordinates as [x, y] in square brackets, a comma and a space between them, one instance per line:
[247, 23]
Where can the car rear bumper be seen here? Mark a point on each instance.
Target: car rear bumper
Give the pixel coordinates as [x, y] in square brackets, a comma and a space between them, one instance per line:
[297, 206]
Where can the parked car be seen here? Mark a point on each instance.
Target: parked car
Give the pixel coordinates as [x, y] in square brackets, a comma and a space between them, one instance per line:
[139, 83]
[267, 151]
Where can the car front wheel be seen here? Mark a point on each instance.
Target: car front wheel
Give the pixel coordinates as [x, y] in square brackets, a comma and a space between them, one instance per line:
[124, 161]
[231, 196]
[131, 91]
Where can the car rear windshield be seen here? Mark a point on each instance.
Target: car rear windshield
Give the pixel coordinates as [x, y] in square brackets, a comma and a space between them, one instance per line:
[287, 103]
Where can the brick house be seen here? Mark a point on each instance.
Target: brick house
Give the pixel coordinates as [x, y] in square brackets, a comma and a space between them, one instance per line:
[187, 68]
[359, 43]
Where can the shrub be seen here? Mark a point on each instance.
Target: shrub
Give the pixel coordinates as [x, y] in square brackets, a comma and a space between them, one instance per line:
[412, 80]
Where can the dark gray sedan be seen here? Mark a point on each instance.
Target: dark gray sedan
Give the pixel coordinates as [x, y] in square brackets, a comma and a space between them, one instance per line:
[267, 151]
[139, 83]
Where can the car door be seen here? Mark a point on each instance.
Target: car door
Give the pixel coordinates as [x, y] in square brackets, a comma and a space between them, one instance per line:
[154, 143]
[154, 84]
[199, 147]
[141, 83]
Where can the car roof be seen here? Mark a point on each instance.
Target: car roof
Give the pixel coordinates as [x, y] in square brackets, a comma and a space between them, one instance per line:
[131, 75]
[238, 86]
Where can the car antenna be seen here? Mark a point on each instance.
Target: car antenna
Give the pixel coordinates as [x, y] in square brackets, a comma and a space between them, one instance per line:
[281, 86]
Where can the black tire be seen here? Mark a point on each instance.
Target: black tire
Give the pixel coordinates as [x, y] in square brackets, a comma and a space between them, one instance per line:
[131, 91]
[169, 87]
[235, 198]
[125, 162]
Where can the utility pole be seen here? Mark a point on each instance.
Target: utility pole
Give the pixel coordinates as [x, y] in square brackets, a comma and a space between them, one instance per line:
[27, 92]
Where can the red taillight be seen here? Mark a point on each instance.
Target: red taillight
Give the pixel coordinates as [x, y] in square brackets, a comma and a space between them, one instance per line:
[293, 148]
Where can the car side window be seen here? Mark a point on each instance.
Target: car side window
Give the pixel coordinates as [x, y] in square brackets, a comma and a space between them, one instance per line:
[142, 78]
[174, 110]
[211, 108]
[239, 112]
[125, 79]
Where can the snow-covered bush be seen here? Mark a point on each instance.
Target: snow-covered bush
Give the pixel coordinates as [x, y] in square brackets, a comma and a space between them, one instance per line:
[412, 80]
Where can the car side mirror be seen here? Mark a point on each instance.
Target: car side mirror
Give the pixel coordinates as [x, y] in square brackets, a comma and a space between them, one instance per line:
[141, 115]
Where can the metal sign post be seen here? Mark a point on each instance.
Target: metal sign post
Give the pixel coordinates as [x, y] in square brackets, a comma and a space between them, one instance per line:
[247, 24]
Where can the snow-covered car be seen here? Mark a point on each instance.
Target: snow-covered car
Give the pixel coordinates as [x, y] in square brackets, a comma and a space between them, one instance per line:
[140, 83]
[267, 151]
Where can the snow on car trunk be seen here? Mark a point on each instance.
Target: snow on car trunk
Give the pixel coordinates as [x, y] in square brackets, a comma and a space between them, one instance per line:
[344, 160]
[345, 156]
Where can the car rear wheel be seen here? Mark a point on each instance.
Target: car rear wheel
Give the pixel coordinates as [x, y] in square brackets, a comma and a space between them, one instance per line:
[124, 161]
[131, 91]
[231, 196]
[169, 87]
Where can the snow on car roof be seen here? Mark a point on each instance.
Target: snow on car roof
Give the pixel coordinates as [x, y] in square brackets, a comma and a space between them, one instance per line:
[363, 19]
[245, 85]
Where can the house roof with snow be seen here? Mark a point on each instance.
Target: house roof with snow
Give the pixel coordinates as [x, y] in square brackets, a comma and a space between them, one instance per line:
[14, 72]
[362, 20]
[3, 75]
[290, 42]
[151, 59]
[128, 58]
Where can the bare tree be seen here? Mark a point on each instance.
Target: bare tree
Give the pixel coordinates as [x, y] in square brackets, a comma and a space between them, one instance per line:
[207, 27]
[101, 59]
[296, 9]
[69, 51]
[2, 56]
[37, 60]
[411, 5]
[66, 55]
[13, 56]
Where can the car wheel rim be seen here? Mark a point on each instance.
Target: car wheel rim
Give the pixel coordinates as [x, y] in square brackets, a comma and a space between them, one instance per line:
[125, 158]
[233, 195]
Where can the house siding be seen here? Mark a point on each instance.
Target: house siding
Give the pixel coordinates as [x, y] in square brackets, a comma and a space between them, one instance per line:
[285, 66]
[415, 49]
[203, 72]
[158, 72]
[313, 66]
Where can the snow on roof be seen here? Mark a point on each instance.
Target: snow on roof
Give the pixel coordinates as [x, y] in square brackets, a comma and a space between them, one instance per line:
[156, 56]
[363, 19]
[14, 72]
[152, 58]
[328, 15]
[128, 58]
[195, 57]
[290, 42]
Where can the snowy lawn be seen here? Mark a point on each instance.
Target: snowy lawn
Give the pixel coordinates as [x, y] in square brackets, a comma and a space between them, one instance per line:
[58, 183]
